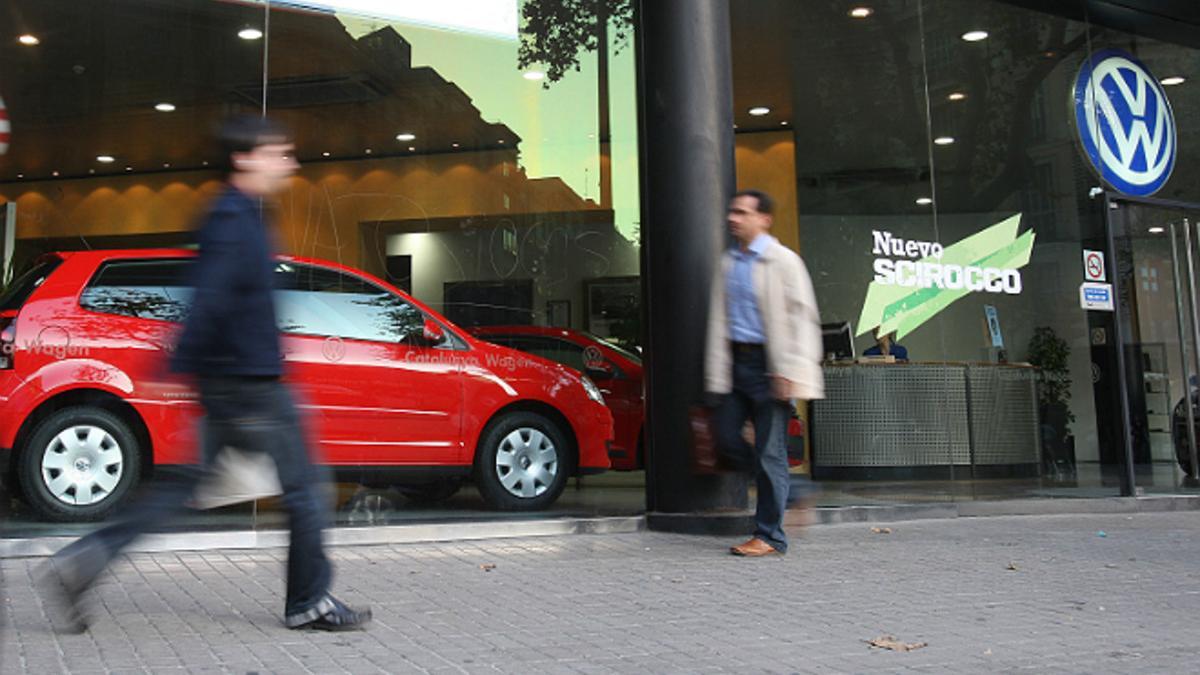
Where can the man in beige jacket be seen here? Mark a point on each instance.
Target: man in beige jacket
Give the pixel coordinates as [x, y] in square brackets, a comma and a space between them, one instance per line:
[763, 351]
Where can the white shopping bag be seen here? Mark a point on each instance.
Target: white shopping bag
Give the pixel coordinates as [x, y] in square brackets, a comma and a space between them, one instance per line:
[237, 476]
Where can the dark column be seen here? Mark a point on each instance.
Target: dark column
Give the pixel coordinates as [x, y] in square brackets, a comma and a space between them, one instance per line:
[687, 176]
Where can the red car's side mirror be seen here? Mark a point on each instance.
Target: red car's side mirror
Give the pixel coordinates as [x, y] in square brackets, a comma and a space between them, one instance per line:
[433, 333]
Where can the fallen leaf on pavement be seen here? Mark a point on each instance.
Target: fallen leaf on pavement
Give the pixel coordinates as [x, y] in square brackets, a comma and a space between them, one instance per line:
[487, 567]
[890, 642]
[881, 530]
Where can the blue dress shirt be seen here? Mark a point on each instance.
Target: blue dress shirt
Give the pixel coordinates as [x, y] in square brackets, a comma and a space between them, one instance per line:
[745, 321]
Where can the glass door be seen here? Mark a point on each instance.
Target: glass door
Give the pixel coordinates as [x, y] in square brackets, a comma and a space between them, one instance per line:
[1157, 246]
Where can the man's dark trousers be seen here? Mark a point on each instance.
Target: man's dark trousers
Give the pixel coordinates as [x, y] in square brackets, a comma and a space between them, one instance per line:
[252, 414]
[751, 398]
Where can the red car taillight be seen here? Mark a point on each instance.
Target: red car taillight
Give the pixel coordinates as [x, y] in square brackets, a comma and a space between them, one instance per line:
[8, 341]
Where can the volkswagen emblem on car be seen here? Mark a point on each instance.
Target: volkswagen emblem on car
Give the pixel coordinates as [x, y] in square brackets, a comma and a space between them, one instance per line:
[1125, 123]
[334, 349]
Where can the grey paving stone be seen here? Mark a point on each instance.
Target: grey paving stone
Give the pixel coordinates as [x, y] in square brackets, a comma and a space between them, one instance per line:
[661, 603]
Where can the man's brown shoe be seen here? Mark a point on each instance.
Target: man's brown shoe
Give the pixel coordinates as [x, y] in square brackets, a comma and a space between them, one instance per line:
[755, 548]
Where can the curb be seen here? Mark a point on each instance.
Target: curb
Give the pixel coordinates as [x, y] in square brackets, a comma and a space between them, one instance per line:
[728, 523]
[38, 547]
[1014, 507]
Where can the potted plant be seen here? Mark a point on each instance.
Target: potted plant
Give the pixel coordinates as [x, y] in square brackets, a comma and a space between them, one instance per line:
[1050, 354]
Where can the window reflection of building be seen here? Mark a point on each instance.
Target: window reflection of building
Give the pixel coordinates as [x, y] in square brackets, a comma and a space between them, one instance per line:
[390, 151]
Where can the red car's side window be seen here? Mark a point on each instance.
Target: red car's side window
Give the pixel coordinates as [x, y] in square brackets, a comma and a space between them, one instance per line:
[143, 289]
[313, 300]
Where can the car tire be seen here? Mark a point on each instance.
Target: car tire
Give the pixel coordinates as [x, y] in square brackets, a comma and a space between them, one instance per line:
[79, 464]
[523, 462]
[430, 493]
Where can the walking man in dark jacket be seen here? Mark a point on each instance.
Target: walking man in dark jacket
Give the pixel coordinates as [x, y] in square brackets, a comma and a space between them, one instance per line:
[230, 344]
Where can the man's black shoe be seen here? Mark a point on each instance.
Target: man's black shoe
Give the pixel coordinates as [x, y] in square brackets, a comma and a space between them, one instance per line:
[334, 616]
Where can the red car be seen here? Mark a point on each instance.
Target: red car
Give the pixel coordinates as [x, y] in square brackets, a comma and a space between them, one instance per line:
[616, 371]
[395, 392]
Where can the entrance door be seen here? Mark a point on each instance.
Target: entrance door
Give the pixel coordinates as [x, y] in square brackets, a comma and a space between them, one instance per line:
[1157, 246]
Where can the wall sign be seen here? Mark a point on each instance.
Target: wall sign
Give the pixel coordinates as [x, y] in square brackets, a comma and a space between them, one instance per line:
[914, 280]
[1093, 265]
[1125, 123]
[993, 324]
[1096, 296]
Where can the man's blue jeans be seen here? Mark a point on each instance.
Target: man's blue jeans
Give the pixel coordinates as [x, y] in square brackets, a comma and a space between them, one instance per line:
[751, 399]
[252, 415]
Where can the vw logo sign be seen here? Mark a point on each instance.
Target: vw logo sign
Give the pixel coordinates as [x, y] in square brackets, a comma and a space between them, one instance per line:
[1125, 123]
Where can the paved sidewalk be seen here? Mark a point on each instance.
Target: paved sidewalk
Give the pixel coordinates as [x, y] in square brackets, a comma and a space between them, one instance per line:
[1076, 602]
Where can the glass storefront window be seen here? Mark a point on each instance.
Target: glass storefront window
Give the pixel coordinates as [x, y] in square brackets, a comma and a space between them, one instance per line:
[429, 159]
[926, 161]
[930, 159]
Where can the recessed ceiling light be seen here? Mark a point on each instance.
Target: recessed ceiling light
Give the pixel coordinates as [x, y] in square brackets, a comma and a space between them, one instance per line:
[411, 149]
[943, 140]
[20, 175]
[975, 35]
[166, 165]
[783, 123]
[250, 33]
[164, 107]
[105, 159]
[759, 111]
[367, 151]
[91, 171]
[129, 168]
[1156, 230]
[405, 136]
[1173, 80]
[324, 154]
[55, 173]
[861, 12]
[501, 141]
[29, 40]
[956, 96]
[454, 145]
[534, 75]
[924, 201]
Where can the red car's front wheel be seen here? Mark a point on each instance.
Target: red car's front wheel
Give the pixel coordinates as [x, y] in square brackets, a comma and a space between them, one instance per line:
[523, 462]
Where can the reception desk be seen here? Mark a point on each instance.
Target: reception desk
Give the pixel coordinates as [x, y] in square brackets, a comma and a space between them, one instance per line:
[925, 420]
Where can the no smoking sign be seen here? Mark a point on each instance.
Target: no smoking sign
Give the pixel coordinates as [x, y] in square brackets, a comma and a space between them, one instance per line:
[1093, 265]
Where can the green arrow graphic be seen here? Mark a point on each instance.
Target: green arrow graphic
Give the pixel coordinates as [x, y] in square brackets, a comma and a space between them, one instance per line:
[903, 308]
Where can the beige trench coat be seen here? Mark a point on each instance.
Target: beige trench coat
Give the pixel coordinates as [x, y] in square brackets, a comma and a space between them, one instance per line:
[790, 320]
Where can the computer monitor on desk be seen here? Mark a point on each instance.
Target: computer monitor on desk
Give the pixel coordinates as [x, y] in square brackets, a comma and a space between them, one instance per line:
[838, 341]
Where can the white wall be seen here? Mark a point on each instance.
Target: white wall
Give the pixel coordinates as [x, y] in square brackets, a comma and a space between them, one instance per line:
[557, 258]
